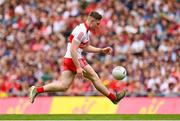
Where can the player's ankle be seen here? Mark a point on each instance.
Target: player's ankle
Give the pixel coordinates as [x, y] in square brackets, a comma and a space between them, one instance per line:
[40, 89]
[112, 97]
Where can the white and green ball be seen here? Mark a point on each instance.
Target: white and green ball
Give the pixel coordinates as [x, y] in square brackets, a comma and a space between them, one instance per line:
[119, 72]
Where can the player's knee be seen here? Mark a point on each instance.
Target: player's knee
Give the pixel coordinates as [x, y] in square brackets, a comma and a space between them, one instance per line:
[65, 87]
[62, 86]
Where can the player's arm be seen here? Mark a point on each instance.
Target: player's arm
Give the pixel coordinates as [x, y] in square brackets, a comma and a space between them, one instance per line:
[90, 48]
[74, 46]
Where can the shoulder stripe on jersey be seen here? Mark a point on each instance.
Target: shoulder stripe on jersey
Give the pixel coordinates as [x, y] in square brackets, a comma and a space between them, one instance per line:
[71, 37]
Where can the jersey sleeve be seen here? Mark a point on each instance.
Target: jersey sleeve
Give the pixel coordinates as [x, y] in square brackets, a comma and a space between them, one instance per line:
[79, 35]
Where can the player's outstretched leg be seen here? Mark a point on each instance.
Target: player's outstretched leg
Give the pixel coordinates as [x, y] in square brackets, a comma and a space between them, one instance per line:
[92, 75]
[66, 79]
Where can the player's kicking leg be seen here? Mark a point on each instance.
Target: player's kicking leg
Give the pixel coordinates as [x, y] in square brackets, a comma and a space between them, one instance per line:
[92, 75]
[67, 78]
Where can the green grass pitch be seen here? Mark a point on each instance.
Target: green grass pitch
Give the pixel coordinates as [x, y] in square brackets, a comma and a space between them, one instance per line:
[90, 117]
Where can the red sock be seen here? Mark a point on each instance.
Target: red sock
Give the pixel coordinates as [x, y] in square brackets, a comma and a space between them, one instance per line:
[40, 89]
[111, 96]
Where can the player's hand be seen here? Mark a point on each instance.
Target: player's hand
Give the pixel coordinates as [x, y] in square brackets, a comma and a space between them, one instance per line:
[107, 50]
[80, 72]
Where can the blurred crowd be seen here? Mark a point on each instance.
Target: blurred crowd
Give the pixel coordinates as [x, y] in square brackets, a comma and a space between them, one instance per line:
[144, 35]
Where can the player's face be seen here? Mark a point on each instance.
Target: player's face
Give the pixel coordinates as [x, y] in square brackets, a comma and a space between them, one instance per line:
[95, 24]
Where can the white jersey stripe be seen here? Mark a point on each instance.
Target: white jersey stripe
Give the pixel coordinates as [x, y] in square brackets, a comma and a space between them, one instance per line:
[79, 34]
